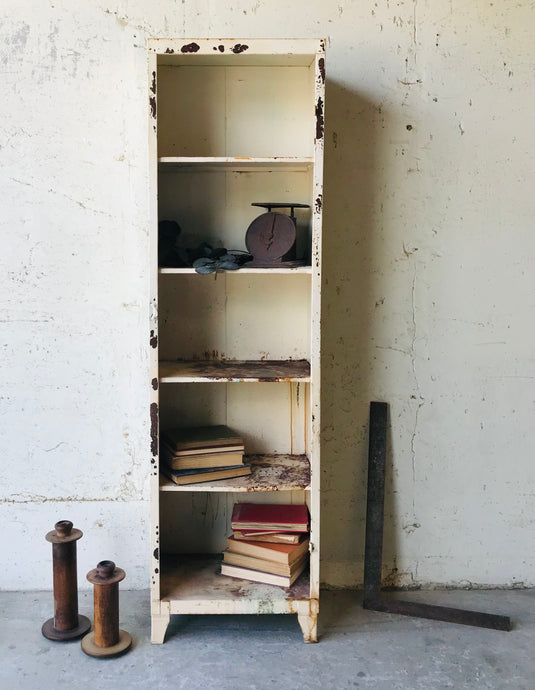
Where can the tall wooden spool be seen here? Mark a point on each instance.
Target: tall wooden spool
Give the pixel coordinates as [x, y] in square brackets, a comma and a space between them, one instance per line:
[66, 624]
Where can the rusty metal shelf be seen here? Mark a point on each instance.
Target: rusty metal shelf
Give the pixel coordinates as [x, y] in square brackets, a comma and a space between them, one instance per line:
[193, 584]
[268, 473]
[256, 371]
[243, 270]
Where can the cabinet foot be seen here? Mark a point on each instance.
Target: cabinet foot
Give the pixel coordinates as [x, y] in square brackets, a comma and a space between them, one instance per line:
[309, 626]
[159, 623]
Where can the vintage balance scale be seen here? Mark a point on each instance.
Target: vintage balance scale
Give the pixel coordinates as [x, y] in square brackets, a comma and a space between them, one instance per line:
[271, 237]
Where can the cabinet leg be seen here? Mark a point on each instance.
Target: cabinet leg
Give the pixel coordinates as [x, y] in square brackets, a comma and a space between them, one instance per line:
[159, 623]
[309, 626]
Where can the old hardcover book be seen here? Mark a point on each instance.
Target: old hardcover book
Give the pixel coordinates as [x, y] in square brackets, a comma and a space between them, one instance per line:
[200, 460]
[260, 576]
[202, 438]
[270, 537]
[262, 564]
[270, 517]
[194, 476]
[279, 553]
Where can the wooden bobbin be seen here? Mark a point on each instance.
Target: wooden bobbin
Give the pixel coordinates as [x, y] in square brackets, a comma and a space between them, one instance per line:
[106, 640]
[66, 624]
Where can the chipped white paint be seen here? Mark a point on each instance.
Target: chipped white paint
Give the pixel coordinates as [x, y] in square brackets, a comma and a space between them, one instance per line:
[427, 300]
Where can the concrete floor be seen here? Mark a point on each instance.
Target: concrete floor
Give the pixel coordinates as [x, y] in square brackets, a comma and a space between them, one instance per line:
[357, 648]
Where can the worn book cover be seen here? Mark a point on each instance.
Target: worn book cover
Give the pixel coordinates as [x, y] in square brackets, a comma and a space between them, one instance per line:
[205, 475]
[202, 437]
[270, 516]
[200, 460]
[271, 537]
[262, 564]
[280, 553]
[259, 576]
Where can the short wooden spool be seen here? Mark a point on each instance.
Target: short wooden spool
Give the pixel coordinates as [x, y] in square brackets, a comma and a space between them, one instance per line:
[107, 639]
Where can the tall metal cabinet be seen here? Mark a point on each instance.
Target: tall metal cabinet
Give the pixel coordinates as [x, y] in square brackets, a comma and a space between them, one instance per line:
[234, 122]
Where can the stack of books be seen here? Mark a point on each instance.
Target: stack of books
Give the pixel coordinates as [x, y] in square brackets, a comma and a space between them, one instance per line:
[269, 543]
[202, 454]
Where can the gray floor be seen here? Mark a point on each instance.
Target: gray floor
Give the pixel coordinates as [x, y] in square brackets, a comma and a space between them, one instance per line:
[357, 648]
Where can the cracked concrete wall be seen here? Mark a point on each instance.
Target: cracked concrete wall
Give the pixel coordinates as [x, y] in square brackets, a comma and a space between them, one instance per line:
[428, 292]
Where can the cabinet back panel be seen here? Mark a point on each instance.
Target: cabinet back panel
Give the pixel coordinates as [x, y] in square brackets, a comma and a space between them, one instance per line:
[270, 417]
[234, 316]
[235, 111]
[215, 207]
[200, 522]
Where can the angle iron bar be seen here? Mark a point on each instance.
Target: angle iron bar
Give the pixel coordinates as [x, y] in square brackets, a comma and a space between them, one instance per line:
[374, 544]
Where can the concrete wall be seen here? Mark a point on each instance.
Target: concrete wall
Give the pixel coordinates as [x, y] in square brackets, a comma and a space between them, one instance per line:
[428, 303]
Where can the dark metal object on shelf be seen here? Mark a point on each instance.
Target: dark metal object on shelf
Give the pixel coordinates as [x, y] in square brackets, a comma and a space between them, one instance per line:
[271, 237]
[168, 251]
[66, 624]
[107, 639]
[374, 544]
[211, 259]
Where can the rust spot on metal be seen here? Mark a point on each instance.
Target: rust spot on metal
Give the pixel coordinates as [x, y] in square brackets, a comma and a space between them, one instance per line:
[155, 384]
[170, 51]
[156, 571]
[152, 103]
[190, 48]
[156, 554]
[153, 339]
[319, 119]
[221, 48]
[154, 428]
[321, 65]
[239, 48]
[264, 371]
[318, 203]
[276, 472]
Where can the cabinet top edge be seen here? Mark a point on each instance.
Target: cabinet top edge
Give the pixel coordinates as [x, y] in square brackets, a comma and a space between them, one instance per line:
[300, 51]
[301, 45]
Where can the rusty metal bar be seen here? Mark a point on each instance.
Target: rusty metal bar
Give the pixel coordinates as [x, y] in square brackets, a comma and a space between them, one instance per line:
[374, 544]
[441, 613]
[373, 554]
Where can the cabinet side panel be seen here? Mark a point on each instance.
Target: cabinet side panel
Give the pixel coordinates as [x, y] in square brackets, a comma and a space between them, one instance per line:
[315, 346]
[152, 336]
